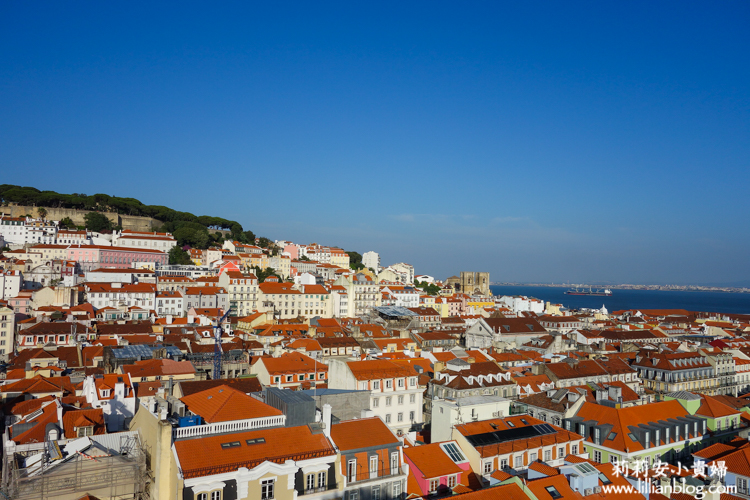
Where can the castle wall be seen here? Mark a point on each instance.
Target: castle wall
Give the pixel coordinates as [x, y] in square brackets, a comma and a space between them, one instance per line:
[131, 222]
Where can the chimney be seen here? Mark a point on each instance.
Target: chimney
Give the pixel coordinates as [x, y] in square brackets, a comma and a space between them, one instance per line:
[327, 420]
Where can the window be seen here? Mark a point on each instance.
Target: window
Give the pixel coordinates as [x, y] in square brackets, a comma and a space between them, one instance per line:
[400, 382]
[400, 400]
[354, 495]
[413, 398]
[396, 490]
[310, 482]
[411, 416]
[574, 449]
[388, 401]
[394, 463]
[85, 431]
[742, 486]
[266, 489]
[547, 455]
[532, 457]
[376, 384]
[375, 493]
[518, 461]
[216, 495]
[451, 481]
[388, 418]
[289, 378]
[487, 467]
[553, 492]
[202, 496]
[434, 483]
[597, 456]
[561, 452]
[321, 479]
[375, 402]
[389, 384]
[352, 470]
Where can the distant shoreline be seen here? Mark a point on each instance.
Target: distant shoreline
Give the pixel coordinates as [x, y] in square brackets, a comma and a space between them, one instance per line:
[664, 288]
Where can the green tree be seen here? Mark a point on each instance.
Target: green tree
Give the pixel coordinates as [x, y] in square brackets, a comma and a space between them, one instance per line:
[67, 223]
[179, 256]
[355, 261]
[428, 288]
[262, 274]
[98, 222]
[264, 242]
[42, 212]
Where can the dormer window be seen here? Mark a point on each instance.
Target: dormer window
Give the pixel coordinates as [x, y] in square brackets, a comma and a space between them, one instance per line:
[85, 431]
[104, 393]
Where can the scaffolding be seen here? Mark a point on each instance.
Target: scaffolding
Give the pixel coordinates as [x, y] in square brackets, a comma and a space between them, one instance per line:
[120, 474]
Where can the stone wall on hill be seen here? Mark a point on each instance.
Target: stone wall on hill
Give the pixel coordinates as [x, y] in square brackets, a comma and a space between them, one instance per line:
[132, 222]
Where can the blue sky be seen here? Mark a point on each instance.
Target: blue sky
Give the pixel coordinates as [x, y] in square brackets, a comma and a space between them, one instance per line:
[539, 141]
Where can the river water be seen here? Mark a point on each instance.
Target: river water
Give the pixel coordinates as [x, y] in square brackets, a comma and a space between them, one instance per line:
[721, 302]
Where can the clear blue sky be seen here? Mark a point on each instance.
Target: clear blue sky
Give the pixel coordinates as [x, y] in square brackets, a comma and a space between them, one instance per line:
[540, 141]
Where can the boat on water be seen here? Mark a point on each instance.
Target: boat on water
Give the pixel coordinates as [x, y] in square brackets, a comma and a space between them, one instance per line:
[605, 292]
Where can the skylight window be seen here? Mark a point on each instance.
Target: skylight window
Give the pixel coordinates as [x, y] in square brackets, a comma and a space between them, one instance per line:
[511, 424]
[604, 479]
[553, 492]
[612, 435]
[453, 452]
[255, 441]
[233, 444]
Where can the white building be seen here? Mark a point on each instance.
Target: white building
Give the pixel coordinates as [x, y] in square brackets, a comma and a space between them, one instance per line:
[363, 294]
[10, 284]
[340, 301]
[371, 260]
[520, 303]
[7, 331]
[115, 275]
[170, 303]
[118, 295]
[115, 395]
[68, 237]
[406, 296]
[448, 413]
[395, 395]
[243, 290]
[163, 242]
[23, 230]
[407, 270]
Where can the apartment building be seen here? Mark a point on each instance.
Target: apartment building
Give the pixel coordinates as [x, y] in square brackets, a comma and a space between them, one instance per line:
[395, 395]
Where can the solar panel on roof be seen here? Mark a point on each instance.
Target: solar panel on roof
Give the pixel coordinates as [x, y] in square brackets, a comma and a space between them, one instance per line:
[490, 438]
[545, 429]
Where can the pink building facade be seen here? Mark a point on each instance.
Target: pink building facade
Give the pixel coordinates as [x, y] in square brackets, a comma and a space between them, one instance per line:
[93, 256]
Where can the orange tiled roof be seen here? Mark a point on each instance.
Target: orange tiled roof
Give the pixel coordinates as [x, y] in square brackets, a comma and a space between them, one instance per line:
[222, 404]
[206, 456]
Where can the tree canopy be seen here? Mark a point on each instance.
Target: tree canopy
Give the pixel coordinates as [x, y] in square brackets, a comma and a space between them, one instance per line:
[428, 288]
[179, 256]
[97, 222]
[188, 229]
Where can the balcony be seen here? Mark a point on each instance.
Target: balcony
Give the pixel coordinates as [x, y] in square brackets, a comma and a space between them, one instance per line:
[320, 489]
[366, 475]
